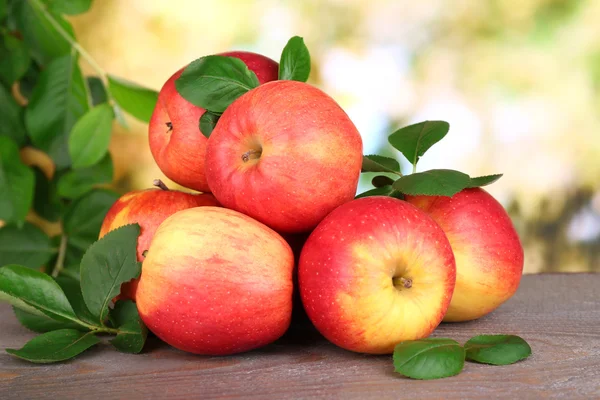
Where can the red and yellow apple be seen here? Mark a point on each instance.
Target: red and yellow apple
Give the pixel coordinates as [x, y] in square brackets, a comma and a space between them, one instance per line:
[176, 142]
[286, 154]
[216, 282]
[488, 252]
[375, 272]
[148, 208]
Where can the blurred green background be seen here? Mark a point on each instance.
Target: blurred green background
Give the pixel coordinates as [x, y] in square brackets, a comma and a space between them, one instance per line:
[518, 81]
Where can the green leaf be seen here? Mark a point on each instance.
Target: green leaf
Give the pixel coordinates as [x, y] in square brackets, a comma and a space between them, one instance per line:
[29, 81]
[214, 82]
[382, 180]
[107, 264]
[431, 358]
[97, 90]
[134, 99]
[14, 59]
[12, 123]
[414, 140]
[28, 246]
[89, 139]
[43, 323]
[46, 202]
[375, 163]
[379, 191]
[70, 7]
[16, 183]
[132, 331]
[58, 101]
[38, 26]
[208, 121]
[34, 292]
[294, 64]
[72, 290]
[435, 182]
[55, 346]
[76, 183]
[3, 9]
[497, 349]
[82, 222]
[484, 180]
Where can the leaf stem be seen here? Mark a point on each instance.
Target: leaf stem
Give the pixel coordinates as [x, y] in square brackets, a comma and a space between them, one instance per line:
[414, 171]
[60, 260]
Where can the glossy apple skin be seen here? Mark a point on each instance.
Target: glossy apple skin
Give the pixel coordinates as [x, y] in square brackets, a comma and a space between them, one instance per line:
[179, 151]
[488, 252]
[149, 208]
[216, 282]
[347, 269]
[308, 156]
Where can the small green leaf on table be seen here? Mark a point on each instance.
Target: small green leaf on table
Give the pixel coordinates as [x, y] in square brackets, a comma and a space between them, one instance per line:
[58, 100]
[55, 346]
[76, 183]
[214, 82]
[43, 323]
[28, 246]
[46, 201]
[72, 290]
[132, 331]
[497, 349]
[89, 138]
[70, 7]
[484, 180]
[294, 64]
[386, 190]
[133, 98]
[414, 140]
[16, 183]
[375, 163]
[12, 125]
[34, 292]
[435, 182]
[208, 121]
[431, 358]
[37, 24]
[14, 59]
[107, 264]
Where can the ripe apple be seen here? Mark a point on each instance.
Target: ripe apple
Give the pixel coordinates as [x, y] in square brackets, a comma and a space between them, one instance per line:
[149, 208]
[176, 142]
[488, 252]
[286, 154]
[375, 272]
[216, 282]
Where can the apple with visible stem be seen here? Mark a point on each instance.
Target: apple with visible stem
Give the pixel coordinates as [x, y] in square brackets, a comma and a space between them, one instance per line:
[375, 272]
[149, 208]
[488, 252]
[286, 154]
[176, 142]
[216, 282]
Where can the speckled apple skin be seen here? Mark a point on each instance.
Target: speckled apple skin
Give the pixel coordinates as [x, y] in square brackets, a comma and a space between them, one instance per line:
[310, 161]
[216, 282]
[346, 271]
[148, 208]
[179, 152]
[489, 255]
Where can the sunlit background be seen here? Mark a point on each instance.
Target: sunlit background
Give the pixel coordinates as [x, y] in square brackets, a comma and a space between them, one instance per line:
[518, 81]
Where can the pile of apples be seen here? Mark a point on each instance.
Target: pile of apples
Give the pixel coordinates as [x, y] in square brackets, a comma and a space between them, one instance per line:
[280, 171]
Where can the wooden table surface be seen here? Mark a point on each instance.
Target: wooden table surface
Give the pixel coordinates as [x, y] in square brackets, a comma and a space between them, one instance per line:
[558, 314]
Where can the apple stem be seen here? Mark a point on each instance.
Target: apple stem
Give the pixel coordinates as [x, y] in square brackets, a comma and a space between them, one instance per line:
[405, 282]
[170, 126]
[160, 184]
[251, 155]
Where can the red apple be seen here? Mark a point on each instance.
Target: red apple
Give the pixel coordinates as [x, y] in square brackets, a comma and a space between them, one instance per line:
[176, 142]
[375, 272]
[285, 154]
[488, 252]
[216, 282]
[148, 208]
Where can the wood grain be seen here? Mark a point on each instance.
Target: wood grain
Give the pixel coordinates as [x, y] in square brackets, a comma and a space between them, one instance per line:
[558, 314]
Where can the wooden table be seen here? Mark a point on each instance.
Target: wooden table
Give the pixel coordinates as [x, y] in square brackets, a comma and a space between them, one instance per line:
[558, 314]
